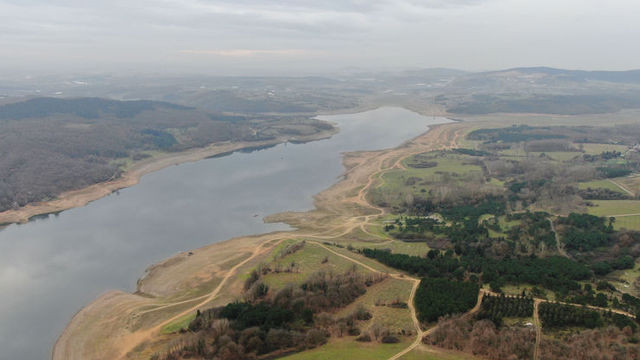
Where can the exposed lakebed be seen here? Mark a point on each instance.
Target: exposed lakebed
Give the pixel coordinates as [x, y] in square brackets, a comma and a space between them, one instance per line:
[52, 266]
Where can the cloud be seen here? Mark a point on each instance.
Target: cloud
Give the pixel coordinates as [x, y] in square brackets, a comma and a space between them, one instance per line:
[251, 52]
[470, 34]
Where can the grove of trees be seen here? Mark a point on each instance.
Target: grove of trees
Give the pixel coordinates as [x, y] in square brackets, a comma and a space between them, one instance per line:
[439, 297]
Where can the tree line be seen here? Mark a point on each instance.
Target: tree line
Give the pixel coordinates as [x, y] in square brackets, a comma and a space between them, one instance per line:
[554, 315]
[556, 273]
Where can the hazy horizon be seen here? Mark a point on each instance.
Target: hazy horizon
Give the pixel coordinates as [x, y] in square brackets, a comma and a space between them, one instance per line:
[295, 37]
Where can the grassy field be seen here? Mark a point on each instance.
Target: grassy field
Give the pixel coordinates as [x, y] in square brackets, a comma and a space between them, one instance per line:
[377, 229]
[365, 260]
[625, 280]
[379, 295]
[496, 182]
[517, 321]
[399, 246]
[311, 258]
[614, 207]
[178, 324]
[468, 144]
[558, 155]
[592, 149]
[452, 163]
[627, 222]
[349, 349]
[395, 185]
[431, 353]
[630, 182]
[596, 184]
[513, 152]
[506, 225]
[595, 149]
[511, 289]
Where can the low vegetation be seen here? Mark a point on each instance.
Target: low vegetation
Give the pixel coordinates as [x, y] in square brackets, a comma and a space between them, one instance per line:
[483, 338]
[608, 342]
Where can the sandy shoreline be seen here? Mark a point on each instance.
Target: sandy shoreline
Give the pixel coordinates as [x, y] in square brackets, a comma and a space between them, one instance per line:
[81, 197]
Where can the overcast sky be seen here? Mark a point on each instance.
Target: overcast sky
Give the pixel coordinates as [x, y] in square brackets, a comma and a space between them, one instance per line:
[299, 36]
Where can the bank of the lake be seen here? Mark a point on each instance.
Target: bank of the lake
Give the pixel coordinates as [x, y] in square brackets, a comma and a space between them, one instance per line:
[81, 197]
[53, 266]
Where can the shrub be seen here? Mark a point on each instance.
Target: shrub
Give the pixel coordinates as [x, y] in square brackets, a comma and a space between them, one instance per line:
[315, 337]
[389, 339]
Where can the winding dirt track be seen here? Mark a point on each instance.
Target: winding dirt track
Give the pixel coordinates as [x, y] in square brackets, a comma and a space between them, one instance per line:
[622, 187]
[140, 337]
[419, 333]
[410, 303]
[538, 325]
[559, 244]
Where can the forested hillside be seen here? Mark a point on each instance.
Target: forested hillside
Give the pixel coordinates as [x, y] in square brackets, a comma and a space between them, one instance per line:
[51, 145]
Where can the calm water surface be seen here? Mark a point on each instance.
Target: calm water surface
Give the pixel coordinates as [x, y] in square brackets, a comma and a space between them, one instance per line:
[51, 267]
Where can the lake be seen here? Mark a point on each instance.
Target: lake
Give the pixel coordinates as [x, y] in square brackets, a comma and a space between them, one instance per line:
[52, 266]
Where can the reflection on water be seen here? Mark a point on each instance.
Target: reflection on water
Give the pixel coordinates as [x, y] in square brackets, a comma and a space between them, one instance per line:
[51, 267]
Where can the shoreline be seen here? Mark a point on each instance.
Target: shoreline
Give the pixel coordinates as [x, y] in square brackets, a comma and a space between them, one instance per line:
[166, 278]
[82, 197]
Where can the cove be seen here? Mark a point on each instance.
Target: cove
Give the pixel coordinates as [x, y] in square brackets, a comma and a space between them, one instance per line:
[52, 266]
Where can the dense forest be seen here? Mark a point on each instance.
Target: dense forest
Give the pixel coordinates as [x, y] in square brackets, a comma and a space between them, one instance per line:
[51, 145]
[86, 108]
[556, 273]
[439, 297]
[555, 315]
[585, 232]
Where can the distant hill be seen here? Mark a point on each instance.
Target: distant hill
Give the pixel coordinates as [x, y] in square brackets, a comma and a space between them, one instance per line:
[547, 104]
[87, 108]
[544, 90]
[629, 76]
[435, 72]
[529, 77]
